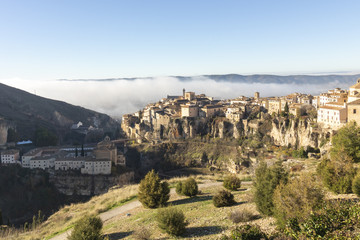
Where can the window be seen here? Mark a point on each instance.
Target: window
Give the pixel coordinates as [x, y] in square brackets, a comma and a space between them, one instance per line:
[354, 111]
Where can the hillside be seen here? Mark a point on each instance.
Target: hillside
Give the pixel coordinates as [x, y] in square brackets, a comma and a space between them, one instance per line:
[26, 112]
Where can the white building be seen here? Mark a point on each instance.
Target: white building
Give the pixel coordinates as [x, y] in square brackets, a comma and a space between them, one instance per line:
[72, 163]
[43, 162]
[11, 156]
[332, 116]
[97, 166]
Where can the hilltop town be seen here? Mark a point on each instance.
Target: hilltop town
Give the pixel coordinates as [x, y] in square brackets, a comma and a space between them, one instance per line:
[330, 110]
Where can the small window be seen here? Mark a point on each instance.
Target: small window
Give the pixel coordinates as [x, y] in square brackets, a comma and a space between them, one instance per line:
[354, 111]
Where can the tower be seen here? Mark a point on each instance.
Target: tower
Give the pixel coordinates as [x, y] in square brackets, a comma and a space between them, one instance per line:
[257, 95]
[183, 92]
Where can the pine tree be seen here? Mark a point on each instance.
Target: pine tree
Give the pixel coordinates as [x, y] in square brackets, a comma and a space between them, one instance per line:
[152, 192]
[82, 150]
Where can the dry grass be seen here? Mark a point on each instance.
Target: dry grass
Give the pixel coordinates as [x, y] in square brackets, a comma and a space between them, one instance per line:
[68, 215]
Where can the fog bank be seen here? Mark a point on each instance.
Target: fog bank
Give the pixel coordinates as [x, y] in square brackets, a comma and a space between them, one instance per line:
[116, 98]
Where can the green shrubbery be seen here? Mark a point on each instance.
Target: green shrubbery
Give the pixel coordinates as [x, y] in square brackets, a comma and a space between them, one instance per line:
[89, 228]
[267, 179]
[297, 199]
[347, 141]
[152, 192]
[223, 198]
[247, 232]
[171, 220]
[232, 182]
[333, 220]
[337, 175]
[356, 185]
[188, 187]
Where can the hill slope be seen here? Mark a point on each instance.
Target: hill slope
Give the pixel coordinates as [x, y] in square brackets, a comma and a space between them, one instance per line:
[27, 111]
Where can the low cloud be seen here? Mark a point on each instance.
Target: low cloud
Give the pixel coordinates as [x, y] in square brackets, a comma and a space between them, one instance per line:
[126, 96]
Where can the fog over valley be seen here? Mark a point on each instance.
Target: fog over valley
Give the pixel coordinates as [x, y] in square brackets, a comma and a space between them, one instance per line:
[116, 97]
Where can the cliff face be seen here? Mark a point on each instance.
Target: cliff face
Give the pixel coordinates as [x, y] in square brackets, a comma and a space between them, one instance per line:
[89, 185]
[293, 132]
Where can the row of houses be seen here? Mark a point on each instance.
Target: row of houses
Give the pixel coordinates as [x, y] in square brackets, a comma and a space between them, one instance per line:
[337, 107]
[94, 161]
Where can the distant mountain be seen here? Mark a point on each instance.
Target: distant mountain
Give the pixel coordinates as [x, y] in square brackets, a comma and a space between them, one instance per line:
[257, 78]
[26, 112]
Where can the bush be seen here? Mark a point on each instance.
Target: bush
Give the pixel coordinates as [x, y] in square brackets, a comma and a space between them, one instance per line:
[232, 182]
[188, 188]
[337, 175]
[334, 220]
[297, 199]
[223, 198]
[244, 215]
[356, 185]
[152, 192]
[142, 234]
[247, 232]
[266, 180]
[347, 141]
[88, 227]
[171, 220]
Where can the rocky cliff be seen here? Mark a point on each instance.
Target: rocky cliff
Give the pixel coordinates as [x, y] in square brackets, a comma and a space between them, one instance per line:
[281, 131]
[87, 185]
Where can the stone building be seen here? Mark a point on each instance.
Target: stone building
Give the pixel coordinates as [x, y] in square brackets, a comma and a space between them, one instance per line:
[354, 92]
[189, 111]
[106, 150]
[354, 111]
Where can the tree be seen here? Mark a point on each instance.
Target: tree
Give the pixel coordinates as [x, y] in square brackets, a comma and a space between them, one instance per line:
[82, 150]
[297, 199]
[188, 188]
[347, 141]
[356, 185]
[152, 192]
[286, 108]
[337, 175]
[266, 181]
[44, 137]
[89, 228]
[12, 135]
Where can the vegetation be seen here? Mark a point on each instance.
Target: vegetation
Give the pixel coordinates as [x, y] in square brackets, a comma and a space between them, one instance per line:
[301, 153]
[223, 198]
[231, 182]
[44, 137]
[152, 192]
[171, 220]
[333, 220]
[247, 232]
[356, 185]
[89, 228]
[244, 215]
[188, 187]
[142, 234]
[337, 175]
[347, 142]
[297, 199]
[267, 179]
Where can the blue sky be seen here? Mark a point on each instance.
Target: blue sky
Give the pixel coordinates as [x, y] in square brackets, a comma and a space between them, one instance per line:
[103, 39]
